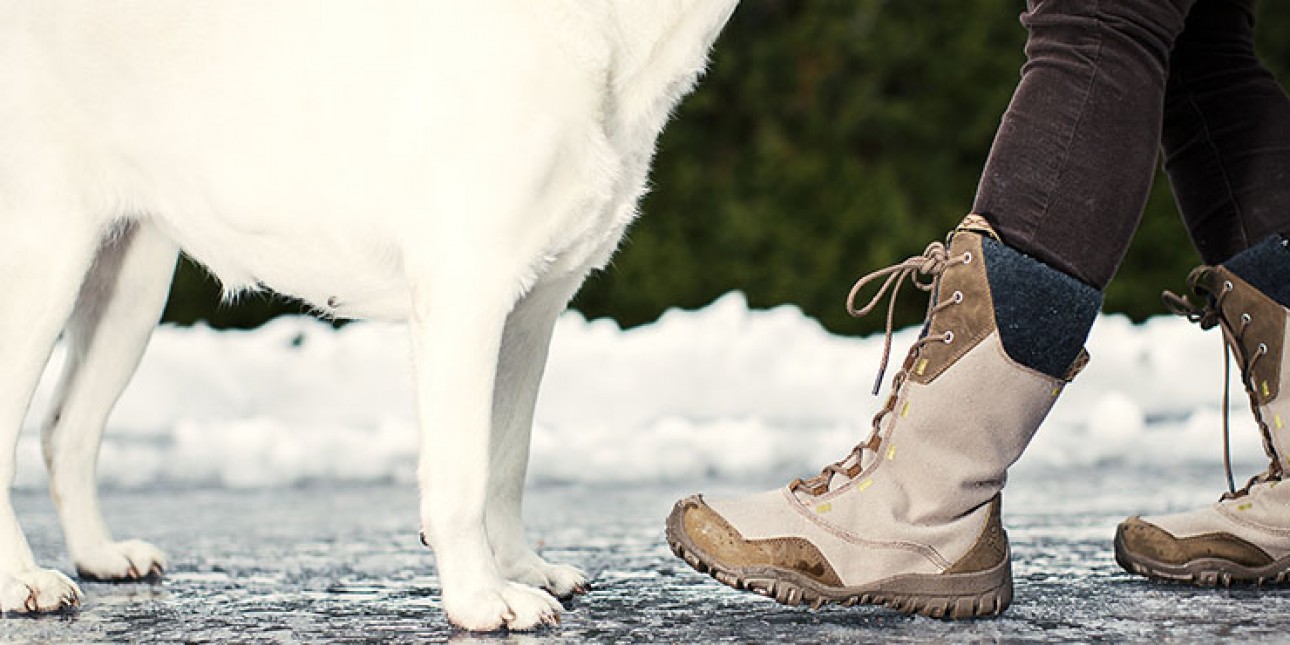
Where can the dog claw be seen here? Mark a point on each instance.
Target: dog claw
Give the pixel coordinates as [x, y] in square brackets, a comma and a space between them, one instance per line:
[129, 561]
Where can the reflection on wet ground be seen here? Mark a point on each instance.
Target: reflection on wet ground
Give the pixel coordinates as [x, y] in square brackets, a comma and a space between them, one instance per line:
[343, 564]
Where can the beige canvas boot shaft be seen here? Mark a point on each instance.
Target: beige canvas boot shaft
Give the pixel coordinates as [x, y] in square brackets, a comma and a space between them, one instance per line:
[1245, 536]
[911, 518]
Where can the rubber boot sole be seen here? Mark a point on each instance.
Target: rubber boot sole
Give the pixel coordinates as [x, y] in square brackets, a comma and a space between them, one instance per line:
[1201, 572]
[953, 596]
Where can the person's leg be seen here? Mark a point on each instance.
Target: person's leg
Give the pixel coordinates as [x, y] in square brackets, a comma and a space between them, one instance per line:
[1072, 163]
[1226, 133]
[1010, 312]
[1227, 150]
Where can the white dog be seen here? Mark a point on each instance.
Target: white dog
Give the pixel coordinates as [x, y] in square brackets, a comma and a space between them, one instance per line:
[459, 164]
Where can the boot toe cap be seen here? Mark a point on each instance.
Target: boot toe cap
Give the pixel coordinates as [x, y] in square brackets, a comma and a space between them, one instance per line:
[1138, 539]
[698, 532]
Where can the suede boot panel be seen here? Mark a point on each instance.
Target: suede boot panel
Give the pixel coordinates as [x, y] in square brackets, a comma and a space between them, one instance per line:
[1266, 326]
[1261, 518]
[1145, 539]
[1261, 337]
[991, 545]
[1266, 266]
[971, 320]
[715, 536]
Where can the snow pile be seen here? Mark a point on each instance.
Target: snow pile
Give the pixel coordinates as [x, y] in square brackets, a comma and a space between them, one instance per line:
[723, 392]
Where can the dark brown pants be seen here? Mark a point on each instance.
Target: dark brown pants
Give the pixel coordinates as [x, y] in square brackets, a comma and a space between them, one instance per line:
[1106, 84]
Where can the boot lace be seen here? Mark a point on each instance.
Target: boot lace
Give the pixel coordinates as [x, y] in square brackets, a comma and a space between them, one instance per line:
[1208, 316]
[924, 272]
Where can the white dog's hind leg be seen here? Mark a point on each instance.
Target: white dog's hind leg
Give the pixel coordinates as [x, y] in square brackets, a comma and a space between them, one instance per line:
[117, 309]
[456, 335]
[519, 374]
[43, 258]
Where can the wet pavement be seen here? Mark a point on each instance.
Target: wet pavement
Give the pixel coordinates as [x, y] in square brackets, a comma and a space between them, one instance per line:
[325, 563]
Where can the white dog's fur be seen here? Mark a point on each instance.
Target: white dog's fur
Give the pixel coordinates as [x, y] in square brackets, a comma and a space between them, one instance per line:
[459, 164]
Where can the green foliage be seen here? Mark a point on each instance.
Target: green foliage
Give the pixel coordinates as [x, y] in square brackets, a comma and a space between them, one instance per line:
[831, 138]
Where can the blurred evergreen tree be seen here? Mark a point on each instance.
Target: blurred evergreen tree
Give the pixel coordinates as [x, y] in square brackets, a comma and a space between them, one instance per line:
[831, 138]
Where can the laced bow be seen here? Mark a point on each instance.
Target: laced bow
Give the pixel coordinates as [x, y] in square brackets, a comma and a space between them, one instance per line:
[933, 262]
[930, 266]
[1208, 316]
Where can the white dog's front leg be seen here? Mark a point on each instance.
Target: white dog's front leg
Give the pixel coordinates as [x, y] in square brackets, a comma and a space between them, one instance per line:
[519, 374]
[455, 344]
[44, 258]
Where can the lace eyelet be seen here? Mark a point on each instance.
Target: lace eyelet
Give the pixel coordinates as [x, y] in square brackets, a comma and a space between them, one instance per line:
[1245, 319]
[957, 297]
[1263, 348]
[949, 337]
[967, 257]
[1227, 286]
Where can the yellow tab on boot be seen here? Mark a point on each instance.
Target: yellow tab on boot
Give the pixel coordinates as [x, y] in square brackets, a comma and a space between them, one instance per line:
[922, 367]
[1277, 419]
[891, 452]
[904, 411]
[824, 508]
[1057, 389]
[1245, 507]
[864, 484]
[1265, 390]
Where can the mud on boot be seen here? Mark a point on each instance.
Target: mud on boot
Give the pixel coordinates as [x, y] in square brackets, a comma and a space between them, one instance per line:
[910, 518]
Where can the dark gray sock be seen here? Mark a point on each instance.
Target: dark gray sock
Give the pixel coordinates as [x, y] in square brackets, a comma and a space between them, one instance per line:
[1043, 315]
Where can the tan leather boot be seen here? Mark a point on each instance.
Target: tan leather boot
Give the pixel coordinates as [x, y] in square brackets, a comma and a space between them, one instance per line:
[1245, 536]
[911, 518]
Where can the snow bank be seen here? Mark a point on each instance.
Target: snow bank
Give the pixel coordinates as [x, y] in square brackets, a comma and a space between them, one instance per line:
[723, 392]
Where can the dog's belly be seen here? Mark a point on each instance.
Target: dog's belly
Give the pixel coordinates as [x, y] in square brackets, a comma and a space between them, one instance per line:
[352, 257]
[278, 159]
[348, 278]
[300, 219]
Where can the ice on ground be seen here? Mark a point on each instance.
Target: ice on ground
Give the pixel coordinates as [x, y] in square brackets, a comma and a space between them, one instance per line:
[724, 391]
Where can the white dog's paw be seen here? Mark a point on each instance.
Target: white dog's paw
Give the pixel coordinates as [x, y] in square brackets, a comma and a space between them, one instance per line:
[38, 591]
[511, 605]
[560, 580]
[127, 561]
